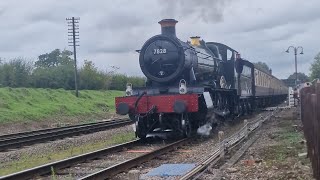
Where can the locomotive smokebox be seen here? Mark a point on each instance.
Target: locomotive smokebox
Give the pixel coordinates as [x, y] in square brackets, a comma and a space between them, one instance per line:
[168, 27]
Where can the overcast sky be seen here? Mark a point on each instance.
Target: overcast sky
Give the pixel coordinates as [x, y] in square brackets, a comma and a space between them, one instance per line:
[111, 31]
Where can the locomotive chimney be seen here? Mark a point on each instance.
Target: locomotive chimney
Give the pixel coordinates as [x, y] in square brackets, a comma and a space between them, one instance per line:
[168, 27]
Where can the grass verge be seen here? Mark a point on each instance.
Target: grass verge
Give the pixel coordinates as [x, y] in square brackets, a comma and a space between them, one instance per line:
[290, 144]
[28, 104]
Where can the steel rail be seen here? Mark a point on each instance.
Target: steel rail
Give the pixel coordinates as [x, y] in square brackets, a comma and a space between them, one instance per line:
[123, 166]
[227, 144]
[45, 169]
[15, 135]
[14, 141]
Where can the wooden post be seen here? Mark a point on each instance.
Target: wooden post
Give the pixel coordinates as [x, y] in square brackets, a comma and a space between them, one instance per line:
[310, 117]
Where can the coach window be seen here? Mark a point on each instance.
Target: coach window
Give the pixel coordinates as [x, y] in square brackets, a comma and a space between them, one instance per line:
[266, 78]
[255, 77]
[230, 54]
[260, 75]
[258, 78]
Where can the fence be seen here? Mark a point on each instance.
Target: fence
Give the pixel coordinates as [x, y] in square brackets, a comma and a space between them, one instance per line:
[310, 116]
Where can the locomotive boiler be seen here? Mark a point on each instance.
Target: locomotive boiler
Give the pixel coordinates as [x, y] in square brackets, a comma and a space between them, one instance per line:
[164, 59]
[193, 83]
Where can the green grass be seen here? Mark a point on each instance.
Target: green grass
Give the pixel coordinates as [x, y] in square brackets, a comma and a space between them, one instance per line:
[289, 145]
[27, 161]
[28, 104]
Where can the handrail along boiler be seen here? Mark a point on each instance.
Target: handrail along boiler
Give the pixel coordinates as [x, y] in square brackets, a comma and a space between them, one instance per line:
[188, 82]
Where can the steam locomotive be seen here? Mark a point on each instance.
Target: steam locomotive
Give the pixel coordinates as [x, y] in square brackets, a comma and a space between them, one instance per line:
[192, 83]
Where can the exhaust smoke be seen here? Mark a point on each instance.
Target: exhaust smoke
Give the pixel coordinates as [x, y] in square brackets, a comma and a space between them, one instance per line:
[204, 130]
[209, 11]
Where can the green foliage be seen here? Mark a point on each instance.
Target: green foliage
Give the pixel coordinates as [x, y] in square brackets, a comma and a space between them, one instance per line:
[315, 68]
[119, 81]
[15, 73]
[54, 59]
[263, 67]
[91, 78]
[301, 77]
[54, 77]
[56, 70]
[28, 104]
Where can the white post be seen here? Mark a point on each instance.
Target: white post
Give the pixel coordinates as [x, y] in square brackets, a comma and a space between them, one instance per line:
[134, 174]
[245, 122]
[290, 97]
[221, 144]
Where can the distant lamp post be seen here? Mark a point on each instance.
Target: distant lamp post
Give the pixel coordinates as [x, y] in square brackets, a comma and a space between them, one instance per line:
[295, 61]
[295, 58]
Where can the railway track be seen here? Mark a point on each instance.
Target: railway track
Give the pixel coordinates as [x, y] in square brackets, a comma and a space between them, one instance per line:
[101, 164]
[107, 163]
[248, 134]
[11, 141]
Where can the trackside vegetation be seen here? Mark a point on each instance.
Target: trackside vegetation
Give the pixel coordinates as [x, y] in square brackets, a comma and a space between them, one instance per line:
[29, 104]
[56, 70]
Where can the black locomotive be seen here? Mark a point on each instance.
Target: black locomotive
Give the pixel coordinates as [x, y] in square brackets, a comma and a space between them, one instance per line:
[188, 81]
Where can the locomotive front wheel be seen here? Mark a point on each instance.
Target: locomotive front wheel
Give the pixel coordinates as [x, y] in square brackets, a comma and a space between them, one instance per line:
[186, 125]
[140, 129]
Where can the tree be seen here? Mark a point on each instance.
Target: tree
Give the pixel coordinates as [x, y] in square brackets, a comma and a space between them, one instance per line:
[263, 66]
[16, 73]
[54, 59]
[54, 77]
[315, 68]
[56, 70]
[301, 77]
[90, 77]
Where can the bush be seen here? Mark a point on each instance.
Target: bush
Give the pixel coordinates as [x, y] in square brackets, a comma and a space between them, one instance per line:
[16, 73]
[56, 70]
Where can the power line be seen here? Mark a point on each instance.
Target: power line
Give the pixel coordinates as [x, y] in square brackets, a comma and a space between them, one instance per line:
[73, 31]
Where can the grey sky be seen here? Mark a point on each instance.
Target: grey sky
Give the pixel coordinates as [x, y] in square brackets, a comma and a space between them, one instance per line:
[111, 31]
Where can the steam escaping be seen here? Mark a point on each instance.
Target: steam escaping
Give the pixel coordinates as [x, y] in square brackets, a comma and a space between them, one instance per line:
[204, 130]
[205, 10]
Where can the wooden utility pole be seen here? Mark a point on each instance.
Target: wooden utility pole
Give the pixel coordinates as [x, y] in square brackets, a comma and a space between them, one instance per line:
[73, 31]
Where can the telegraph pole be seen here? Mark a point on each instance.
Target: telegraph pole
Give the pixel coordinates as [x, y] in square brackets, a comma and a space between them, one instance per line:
[73, 31]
